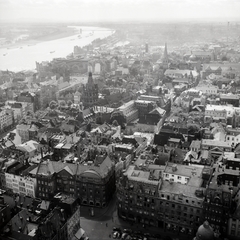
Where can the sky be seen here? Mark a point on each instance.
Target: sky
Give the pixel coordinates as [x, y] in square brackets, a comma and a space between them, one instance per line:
[118, 10]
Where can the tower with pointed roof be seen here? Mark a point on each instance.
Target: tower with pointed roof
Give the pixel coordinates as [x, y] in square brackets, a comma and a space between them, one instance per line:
[90, 93]
[165, 58]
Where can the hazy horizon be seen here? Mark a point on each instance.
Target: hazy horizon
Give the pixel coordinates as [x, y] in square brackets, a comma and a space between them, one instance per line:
[119, 11]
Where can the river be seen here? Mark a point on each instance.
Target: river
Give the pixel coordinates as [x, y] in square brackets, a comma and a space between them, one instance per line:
[24, 57]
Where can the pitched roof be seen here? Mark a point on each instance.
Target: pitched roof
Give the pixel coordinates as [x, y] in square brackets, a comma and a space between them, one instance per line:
[159, 111]
[51, 167]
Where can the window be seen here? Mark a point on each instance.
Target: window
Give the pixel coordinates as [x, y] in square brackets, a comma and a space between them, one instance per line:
[179, 177]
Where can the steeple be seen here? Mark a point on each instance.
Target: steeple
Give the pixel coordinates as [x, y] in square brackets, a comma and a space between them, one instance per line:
[165, 56]
[90, 79]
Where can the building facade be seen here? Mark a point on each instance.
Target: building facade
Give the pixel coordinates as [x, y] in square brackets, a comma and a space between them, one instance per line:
[162, 197]
[92, 182]
[6, 118]
[129, 111]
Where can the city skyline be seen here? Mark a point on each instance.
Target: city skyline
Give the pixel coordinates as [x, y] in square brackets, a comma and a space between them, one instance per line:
[112, 11]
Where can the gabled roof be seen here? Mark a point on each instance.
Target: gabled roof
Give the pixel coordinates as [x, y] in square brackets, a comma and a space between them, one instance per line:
[159, 111]
[51, 167]
[195, 144]
[68, 170]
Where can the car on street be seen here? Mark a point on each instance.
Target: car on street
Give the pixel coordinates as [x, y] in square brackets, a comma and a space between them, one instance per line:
[116, 235]
[125, 236]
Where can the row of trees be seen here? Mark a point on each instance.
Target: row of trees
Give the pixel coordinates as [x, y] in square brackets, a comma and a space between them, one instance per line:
[62, 104]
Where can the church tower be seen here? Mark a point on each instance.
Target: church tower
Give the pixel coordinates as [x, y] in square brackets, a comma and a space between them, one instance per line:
[165, 58]
[90, 93]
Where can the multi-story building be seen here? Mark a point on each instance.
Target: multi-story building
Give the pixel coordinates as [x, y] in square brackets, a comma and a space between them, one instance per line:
[221, 198]
[5, 212]
[211, 69]
[144, 107]
[28, 97]
[176, 73]
[219, 113]
[202, 56]
[18, 111]
[129, 111]
[27, 225]
[103, 114]
[152, 98]
[217, 147]
[229, 99]
[208, 89]
[71, 205]
[6, 118]
[162, 196]
[23, 131]
[180, 205]
[79, 66]
[96, 66]
[93, 182]
[47, 94]
[19, 180]
[38, 221]
[90, 93]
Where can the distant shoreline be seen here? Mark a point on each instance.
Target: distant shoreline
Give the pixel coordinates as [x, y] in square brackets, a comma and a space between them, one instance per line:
[61, 34]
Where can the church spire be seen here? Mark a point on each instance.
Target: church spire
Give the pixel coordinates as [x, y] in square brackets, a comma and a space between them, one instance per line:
[90, 79]
[165, 55]
[165, 58]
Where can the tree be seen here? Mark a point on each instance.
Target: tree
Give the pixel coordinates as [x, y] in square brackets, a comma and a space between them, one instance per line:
[89, 127]
[53, 104]
[134, 71]
[224, 58]
[193, 129]
[62, 104]
[115, 123]
[69, 103]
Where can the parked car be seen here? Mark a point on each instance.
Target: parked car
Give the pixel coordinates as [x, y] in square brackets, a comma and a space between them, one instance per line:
[124, 236]
[116, 235]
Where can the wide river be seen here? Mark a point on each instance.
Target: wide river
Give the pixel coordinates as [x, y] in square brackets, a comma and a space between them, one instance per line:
[24, 57]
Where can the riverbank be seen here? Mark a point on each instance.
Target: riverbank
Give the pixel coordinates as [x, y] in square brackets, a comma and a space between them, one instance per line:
[24, 55]
[68, 32]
